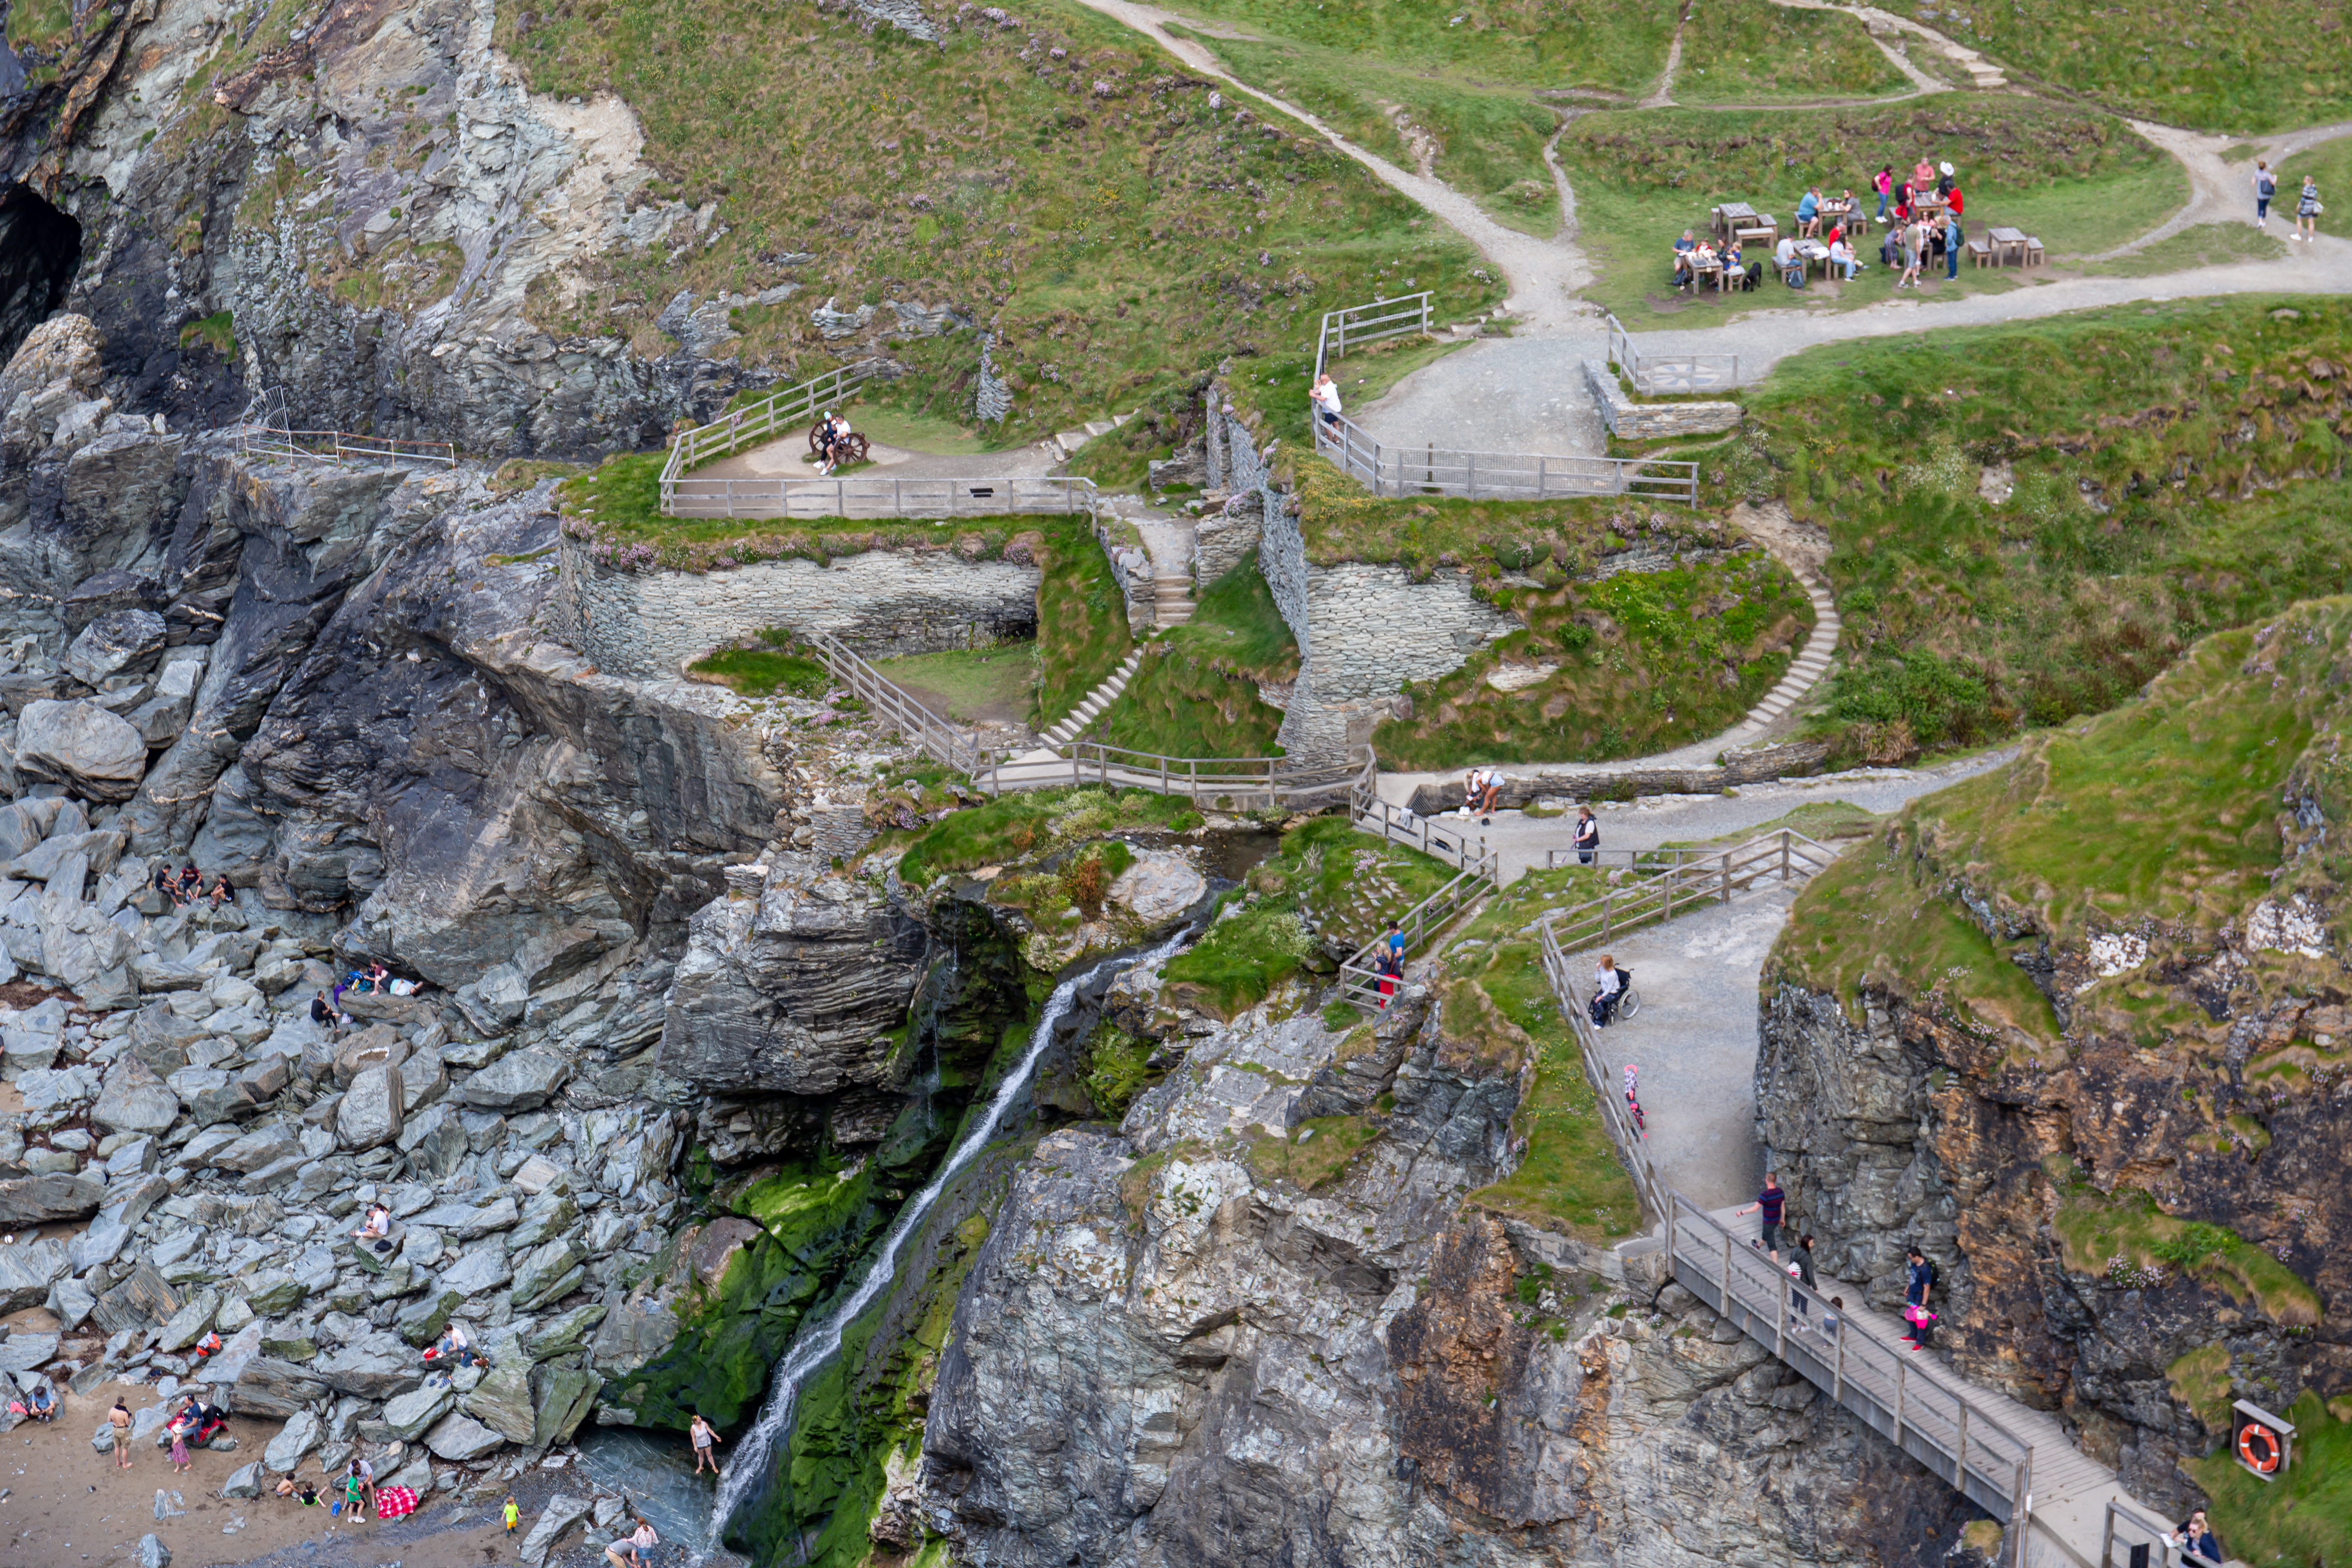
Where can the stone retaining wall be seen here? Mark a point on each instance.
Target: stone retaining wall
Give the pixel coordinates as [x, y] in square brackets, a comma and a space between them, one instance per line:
[1630, 421]
[1604, 781]
[884, 603]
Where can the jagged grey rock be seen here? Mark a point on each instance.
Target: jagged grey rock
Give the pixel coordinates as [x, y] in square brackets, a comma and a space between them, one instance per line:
[302, 1433]
[459, 1437]
[376, 1366]
[245, 1481]
[480, 1271]
[371, 1111]
[547, 1273]
[117, 641]
[40, 1199]
[410, 1414]
[557, 1517]
[501, 1401]
[95, 753]
[519, 1081]
[134, 1100]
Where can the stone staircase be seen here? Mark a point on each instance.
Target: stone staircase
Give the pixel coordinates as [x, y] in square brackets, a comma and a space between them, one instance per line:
[1074, 725]
[1812, 662]
[1066, 443]
[1171, 598]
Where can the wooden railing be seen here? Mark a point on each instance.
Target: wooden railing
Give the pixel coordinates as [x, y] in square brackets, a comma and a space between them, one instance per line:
[1900, 1397]
[1430, 470]
[1242, 782]
[1397, 825]
[1632, 1144]
[2138, 1530]
[934, 734]
[1356, 324]
[1361, 983]
[779, 495]
[780, 412]
[1680, 886]
[1655, 375]
[340, 445]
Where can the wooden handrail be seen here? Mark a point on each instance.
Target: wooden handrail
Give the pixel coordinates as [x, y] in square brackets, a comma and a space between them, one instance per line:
[934, 734]
[340, 445]
[1715, 875]
[1345, 325]
[879, 496]
[1403, 470]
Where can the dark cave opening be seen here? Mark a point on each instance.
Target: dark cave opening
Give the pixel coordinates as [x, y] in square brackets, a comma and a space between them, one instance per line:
[40, 248]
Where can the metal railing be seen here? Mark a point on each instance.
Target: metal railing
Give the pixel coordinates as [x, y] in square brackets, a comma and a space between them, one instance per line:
[1431, 470]
[1935, 1422]
[1360, 980]
[1355, 325]
[934, 734]
[340, 446]
[814, 497]
[2157, 1548]
[755, 424]
[1242, 782]
[1654, 375]
[1682, 885]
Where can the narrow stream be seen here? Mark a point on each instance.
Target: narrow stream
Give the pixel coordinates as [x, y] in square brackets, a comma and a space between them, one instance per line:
[817, 1343]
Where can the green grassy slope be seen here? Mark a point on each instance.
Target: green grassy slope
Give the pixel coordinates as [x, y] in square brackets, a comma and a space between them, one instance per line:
[1058, 179]
[2173, 469]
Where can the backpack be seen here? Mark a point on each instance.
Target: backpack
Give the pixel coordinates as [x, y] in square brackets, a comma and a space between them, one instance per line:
[1935, 1275]
[2267, 187]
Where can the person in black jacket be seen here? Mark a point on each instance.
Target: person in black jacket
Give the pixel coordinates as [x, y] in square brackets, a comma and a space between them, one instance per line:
[2196, 1535]
[1588, 835]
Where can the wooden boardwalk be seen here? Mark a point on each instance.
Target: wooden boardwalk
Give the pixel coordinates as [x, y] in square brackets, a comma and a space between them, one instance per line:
[2009, 1459]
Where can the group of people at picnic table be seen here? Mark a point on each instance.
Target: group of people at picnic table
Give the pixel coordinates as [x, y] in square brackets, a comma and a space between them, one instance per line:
[1926, 213]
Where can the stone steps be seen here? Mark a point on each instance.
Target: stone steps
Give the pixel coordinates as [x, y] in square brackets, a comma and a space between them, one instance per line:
[1172, 599]
[1812, 661]
[1101, 697]
[1066, 443]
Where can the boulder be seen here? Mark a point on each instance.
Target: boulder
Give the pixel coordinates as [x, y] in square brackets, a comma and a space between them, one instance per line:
[142, 1300]
[409, 1414]
[519, 1081]
[162, 718]
[21, 1353]
[536, 1176]
[564, 1396]
[101, 1242]
[374, 1047]
[477, 1273]
[244, 1481]
[134, 1100]
[376, 1366]
[564, 1332]
[371, 1111]
[1158, 886]
[460, 1438]
[424, 1078]
[269, 1388]
[502, 1402]
[40, 1199]
[190, 1321]
[547, 1273]
[464, 1222]
[65, 348]
[256, 1150]
[555, 1520]
[94, 753]
[300, 1434]
[421, 1321]
[115, 642]
[544, 1218]
[153, 1554]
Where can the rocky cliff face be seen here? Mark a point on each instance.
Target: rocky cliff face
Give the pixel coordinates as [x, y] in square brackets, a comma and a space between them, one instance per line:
[2077, 1028]
[1201, 1339]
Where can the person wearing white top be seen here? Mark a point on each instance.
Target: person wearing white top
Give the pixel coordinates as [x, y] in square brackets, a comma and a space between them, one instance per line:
[1326, 398]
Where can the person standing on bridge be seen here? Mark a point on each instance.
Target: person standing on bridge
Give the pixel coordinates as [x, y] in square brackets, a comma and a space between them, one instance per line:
[1588, 835]
[1918, 1284]
[2196, 1536]
[1801, 1270]
[1768, 1203]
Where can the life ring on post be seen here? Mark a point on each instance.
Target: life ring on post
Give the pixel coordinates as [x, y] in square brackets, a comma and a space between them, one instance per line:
[2252, 1436]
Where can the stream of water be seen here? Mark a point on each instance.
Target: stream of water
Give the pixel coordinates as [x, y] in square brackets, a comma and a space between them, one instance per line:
[817, 1343]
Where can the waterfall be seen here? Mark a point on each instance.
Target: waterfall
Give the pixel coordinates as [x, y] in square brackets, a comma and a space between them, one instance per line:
[815, 1344]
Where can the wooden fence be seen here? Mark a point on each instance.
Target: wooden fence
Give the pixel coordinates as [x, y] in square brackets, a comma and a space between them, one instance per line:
[1678, 888]
[1431, 470]
[1658, 374]
[1223, 783]
[782, 413]
[864, 497]
[1397, 825]
[1361, 983]
[1359, 324]
[934, 734]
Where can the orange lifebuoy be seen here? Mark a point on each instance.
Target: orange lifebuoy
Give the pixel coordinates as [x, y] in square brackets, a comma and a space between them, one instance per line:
[2249, 1436]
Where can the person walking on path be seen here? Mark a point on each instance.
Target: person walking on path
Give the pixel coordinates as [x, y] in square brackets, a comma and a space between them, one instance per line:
[705, 1439]
[1919, 1285]
[2307, 210]
[514, 1513]
[1910, 243]
[1768, 1203]
[119, 1419]
[2265, 187]
[1800, 1268]
[1588, 835]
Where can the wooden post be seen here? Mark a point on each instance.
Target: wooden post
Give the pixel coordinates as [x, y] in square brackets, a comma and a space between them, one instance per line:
[2021, 1508]
[2107, 1538]
[1605, 897]
[1543, 465]
[1727, 1275]
[1784, 855]
[1837, 1385]
[1961, 1456]
[1470, 462]
[1901, 1367]
[1780, 1327]
[1726, 876]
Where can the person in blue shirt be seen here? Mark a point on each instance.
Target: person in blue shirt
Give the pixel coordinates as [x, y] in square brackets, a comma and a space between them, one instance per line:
[1809, 214]
[1918, 1283]
[1683, 249]
[1831, 1317]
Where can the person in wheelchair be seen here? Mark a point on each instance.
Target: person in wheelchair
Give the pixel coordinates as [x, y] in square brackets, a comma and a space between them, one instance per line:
[1609, 987]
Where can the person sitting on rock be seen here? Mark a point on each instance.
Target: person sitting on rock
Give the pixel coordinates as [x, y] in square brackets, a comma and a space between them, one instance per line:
[168, 884]
[379, 979]
[42, 1405]
[191, 879]
[377, 1230]
[222, 893]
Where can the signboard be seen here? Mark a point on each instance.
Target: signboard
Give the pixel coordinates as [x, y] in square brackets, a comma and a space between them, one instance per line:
[2261, 1440]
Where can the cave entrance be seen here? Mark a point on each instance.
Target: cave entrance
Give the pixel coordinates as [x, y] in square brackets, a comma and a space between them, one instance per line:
[40, 249]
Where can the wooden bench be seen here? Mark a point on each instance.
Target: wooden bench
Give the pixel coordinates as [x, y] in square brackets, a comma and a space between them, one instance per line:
[1980, 251]
[2033, 255]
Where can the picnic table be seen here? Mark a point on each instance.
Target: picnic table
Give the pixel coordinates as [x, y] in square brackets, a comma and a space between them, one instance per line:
[1812, 251]
[2004, 241]
[1729, 214]
[1757, 226]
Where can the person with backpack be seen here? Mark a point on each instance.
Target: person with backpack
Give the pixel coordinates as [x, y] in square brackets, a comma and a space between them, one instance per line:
[2265, 187]
[1801, 1269]
[1953, 240]
[2306, 211]
[1792, 266]
[1918, 1286]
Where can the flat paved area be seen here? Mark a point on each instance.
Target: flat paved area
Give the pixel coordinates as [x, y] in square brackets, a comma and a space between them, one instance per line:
[1645, 823]
[1498, 395]
[783, 459]
[1695, 1039]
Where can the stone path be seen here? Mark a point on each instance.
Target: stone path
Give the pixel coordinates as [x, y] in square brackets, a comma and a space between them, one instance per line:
[781, 458]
